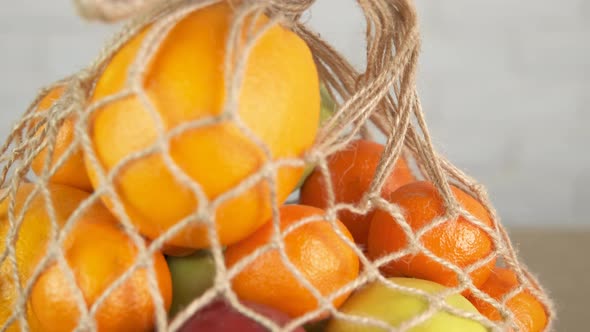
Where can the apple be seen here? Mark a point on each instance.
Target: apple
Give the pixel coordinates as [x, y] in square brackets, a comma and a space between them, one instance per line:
[170, 250]
[220, 316]
[395, 307]
[328, 105]
[327, 109]
[192, 275]
[316, 326]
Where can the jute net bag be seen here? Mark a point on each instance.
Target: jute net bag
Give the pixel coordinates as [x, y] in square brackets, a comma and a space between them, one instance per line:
[128, 159]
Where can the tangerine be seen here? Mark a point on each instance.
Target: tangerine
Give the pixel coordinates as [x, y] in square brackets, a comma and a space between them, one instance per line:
[458, 241]
[529, 313]
[315, 249]
[352, 171]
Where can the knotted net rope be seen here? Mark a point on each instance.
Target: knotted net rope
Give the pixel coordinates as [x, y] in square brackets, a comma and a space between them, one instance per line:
[382, 95]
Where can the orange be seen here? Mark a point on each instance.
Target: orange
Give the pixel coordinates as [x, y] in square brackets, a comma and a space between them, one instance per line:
[9, 296]
[528, 311]
[279, 101]
[98, 252]
[72, 172]
[352, 171]
[323, 258]
[457, 241]
[30, 246]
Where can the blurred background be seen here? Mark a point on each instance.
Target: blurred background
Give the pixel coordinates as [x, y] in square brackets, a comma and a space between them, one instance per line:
[505, 86]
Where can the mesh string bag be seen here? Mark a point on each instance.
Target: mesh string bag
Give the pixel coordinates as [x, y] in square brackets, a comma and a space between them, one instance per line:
[111, 11]
[379, 101]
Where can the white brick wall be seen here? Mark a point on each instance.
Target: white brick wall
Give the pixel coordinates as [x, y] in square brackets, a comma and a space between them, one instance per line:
[505, 84]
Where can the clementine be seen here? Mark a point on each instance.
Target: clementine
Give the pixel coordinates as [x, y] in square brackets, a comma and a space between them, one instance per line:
[457, 241]
[529, 313]
[315, 249]
[278, 101]
[352, 171]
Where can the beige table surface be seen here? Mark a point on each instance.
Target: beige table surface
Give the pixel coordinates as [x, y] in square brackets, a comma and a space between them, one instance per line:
[561, 261]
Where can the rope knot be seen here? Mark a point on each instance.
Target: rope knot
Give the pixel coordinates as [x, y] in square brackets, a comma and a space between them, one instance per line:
[112, 11]
[291, 8]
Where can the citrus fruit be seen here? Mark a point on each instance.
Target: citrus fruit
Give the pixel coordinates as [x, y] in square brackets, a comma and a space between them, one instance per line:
[72, 172]
[352, 171]
[97, 250]
[456, 241]
[395, 307]
[315, 249]
[9, 297]
[34, 232]
[98, 255]
[31, 242]
[191, 276]
[528, 311]
[279, 102]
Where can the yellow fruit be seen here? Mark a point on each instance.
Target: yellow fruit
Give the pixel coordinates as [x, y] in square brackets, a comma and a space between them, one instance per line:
[393, 307]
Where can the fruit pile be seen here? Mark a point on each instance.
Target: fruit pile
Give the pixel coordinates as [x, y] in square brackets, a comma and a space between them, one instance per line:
[184, 192]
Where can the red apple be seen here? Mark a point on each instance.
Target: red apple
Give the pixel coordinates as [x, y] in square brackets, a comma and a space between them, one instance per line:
[220, 316]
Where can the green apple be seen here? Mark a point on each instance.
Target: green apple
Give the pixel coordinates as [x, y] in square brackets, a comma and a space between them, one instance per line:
[395, 307]
[328, 107]
[191, 276]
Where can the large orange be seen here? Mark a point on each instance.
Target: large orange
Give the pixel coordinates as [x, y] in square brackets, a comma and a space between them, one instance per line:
[278, 101]
[315, 249]
[72, 172]
[352, 171]
[457, 241]
[528, 311]
[98, 252]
